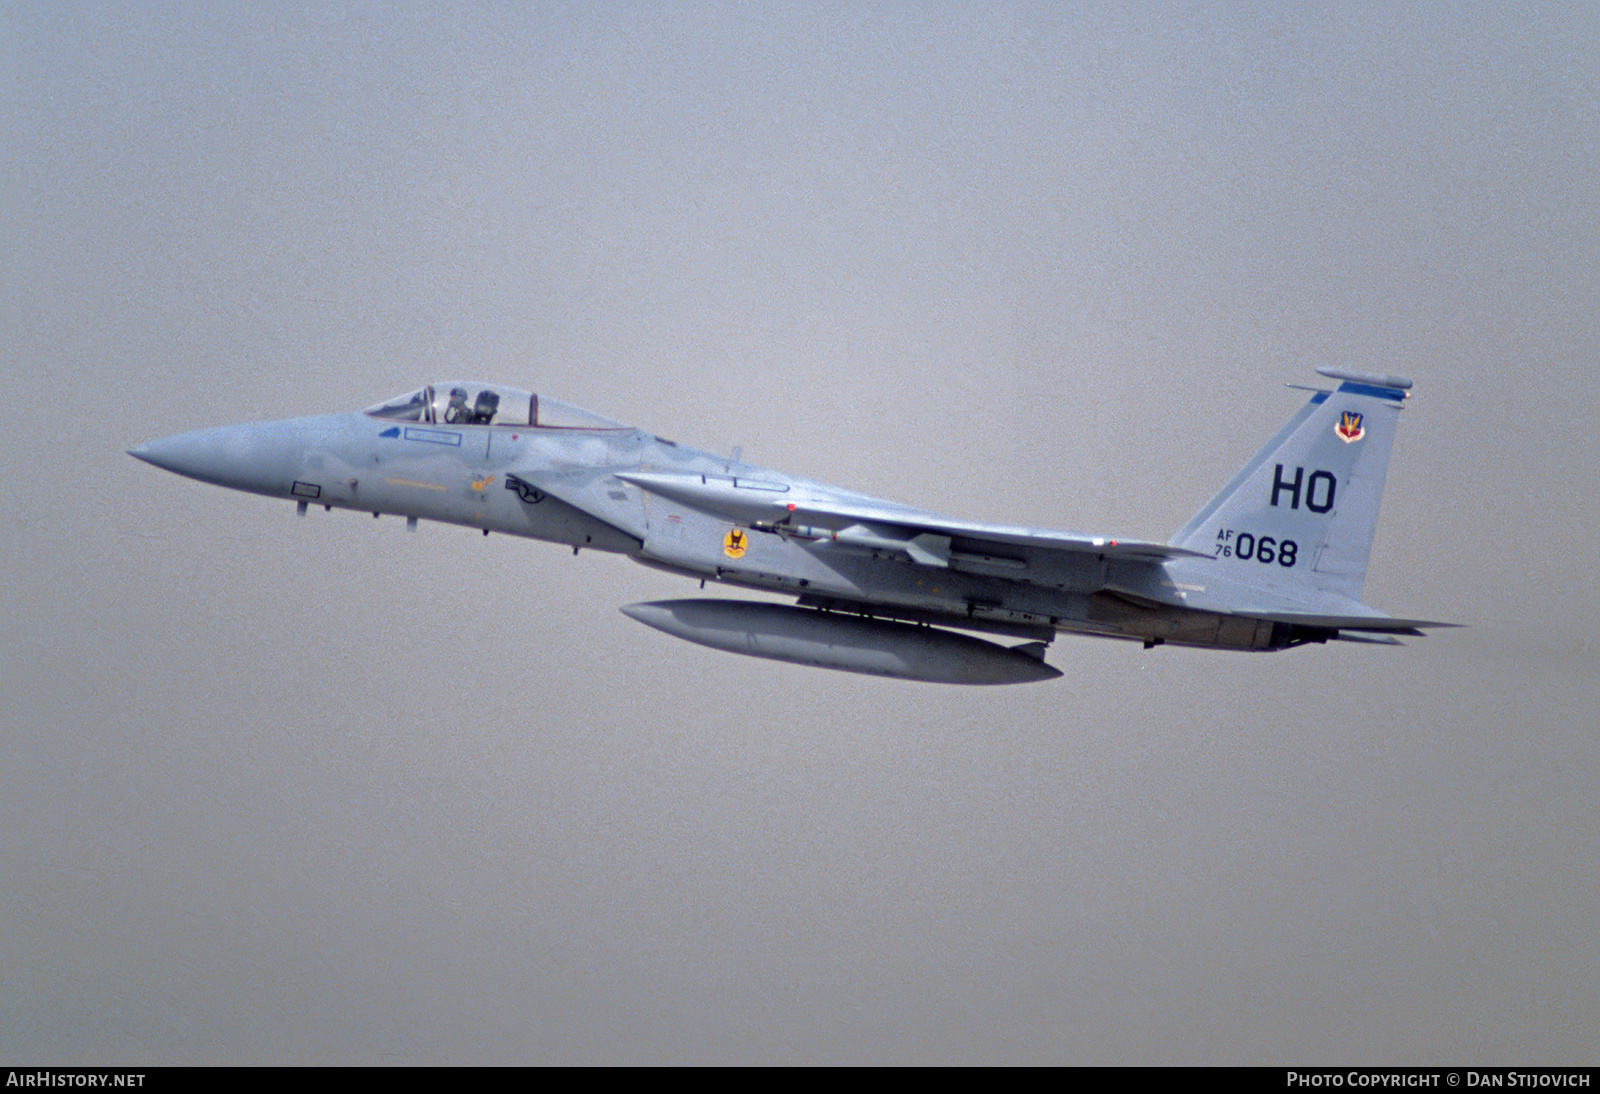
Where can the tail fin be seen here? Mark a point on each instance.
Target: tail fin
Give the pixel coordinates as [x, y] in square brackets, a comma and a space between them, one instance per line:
[1302, 513]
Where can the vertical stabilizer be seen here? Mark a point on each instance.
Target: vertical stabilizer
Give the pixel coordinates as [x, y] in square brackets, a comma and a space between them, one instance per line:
[1302, 513]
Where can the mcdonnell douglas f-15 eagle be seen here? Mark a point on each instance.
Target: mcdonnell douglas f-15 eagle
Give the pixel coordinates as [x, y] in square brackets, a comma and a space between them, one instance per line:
[1276, 560]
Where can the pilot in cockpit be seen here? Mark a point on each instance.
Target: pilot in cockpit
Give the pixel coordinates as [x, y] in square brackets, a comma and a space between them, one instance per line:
[457, 413]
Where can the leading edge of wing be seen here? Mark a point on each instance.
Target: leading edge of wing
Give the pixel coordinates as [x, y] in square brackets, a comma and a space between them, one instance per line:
[745, 500]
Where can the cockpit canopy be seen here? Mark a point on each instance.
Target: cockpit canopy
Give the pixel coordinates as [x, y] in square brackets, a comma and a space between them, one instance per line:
[470, 403]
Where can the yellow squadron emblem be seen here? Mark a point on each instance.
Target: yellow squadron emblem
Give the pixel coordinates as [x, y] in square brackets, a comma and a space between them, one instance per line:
[735, 543]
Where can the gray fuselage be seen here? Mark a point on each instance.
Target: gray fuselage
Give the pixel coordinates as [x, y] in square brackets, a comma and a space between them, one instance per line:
[1275, 560]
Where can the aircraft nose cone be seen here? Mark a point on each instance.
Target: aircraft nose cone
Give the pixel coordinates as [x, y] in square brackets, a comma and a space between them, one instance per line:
[259, 458]
[160, 454]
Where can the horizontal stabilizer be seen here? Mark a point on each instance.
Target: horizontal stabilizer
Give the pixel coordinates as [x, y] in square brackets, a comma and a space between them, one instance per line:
[1381, 624]
[1369, 639]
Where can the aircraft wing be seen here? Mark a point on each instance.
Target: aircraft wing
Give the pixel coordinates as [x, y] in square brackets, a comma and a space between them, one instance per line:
[777, 506]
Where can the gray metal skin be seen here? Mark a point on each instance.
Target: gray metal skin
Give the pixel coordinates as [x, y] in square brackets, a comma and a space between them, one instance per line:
[831, 640]
[1276, 560]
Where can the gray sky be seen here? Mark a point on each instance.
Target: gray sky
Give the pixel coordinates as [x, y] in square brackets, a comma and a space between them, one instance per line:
[324, 791]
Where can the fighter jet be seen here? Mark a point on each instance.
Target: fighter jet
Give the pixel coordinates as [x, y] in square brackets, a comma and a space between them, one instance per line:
[1276, 560]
